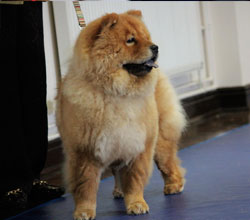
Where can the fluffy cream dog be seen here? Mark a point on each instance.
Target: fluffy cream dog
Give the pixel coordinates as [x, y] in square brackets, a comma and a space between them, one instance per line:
[116, 109]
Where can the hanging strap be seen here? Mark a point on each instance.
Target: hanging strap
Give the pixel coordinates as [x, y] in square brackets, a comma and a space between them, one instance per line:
[12, 2]
[79, 14]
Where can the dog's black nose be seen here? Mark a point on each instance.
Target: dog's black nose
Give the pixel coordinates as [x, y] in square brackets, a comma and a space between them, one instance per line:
[154, 48]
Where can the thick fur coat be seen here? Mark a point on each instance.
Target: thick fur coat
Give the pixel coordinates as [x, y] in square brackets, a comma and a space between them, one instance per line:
[115, 109]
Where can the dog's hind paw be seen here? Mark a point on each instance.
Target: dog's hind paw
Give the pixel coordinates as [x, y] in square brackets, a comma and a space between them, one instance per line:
[118, 194]
[173, 188]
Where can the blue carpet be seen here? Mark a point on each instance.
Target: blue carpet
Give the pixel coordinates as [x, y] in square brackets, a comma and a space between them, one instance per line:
[217, 187]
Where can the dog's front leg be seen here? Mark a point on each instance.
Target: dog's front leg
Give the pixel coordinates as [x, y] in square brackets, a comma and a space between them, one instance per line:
[83, 181]
[133, 179]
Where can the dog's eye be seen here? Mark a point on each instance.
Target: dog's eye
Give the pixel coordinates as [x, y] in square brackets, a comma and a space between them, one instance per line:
[131, 41]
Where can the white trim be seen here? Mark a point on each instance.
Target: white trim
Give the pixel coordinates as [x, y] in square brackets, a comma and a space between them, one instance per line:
[66, 27]
[52, 128]
[206, 86]
[208, 40]
[195, 83]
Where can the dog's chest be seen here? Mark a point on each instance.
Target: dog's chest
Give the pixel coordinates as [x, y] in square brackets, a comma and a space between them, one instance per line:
[122, 135]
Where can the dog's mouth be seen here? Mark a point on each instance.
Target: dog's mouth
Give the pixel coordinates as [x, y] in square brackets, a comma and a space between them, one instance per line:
[141, 69]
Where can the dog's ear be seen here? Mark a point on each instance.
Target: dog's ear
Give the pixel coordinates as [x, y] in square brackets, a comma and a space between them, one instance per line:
[109, 20]
[95, 28]
[135, 13]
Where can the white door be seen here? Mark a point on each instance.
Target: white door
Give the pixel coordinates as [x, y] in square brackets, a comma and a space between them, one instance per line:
[175, 27]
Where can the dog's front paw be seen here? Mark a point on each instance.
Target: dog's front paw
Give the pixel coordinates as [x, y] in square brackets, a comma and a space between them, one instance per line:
[174, 188]
[137, 208]
[84, 214]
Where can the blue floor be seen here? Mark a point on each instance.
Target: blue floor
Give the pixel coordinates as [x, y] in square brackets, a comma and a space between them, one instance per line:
[217, 187]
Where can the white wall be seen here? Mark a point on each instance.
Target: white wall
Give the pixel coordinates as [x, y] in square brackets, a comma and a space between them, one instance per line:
[230, 31]
[52, 66]
[243, 29]
[226, 44]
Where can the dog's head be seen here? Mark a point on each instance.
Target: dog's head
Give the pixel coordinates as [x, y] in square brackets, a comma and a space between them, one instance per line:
[117, 48]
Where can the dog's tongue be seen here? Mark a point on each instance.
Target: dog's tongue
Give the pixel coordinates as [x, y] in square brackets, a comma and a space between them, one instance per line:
[151, 63]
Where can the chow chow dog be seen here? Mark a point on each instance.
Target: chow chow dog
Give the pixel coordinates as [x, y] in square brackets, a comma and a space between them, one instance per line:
[115, 109]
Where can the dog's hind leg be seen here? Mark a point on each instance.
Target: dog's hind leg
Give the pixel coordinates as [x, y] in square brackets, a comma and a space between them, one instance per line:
[171, 124]
[117, 192]
[169, 164]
